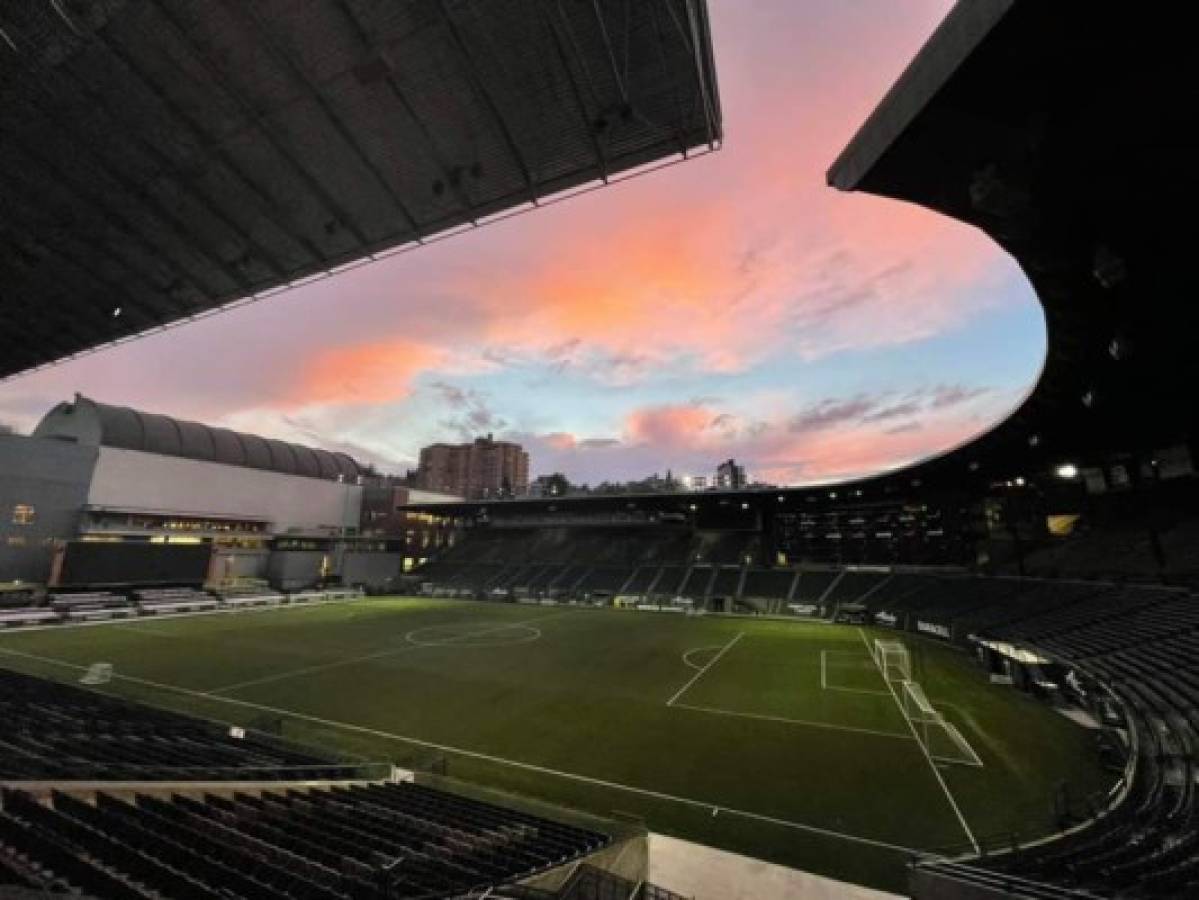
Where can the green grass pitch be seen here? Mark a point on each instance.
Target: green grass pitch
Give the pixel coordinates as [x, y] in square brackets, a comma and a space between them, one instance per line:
[776, 739]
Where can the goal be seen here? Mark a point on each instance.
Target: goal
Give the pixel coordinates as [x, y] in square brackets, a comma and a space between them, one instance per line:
[893, 661]
[940, 738]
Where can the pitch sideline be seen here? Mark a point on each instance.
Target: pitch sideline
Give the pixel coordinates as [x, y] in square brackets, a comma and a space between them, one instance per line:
[487, 757]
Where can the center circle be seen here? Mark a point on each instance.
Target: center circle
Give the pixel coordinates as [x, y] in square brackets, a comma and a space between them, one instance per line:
[472, 634]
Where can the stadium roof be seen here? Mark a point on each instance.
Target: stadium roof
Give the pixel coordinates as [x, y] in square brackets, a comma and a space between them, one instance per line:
[161, 159]
[1065, 131]
[97, 424]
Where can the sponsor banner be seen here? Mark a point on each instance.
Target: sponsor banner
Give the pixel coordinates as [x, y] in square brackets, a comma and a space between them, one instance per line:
[934, 628]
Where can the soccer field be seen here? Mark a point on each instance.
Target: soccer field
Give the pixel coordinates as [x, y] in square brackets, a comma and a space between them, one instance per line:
[777, 739]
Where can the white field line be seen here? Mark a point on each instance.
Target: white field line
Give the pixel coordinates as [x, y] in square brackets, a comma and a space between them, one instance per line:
[367, 657]
[823, 675]
[696, 677]
[805, 723]
[486, 757]
[687, 656]
[932, 765]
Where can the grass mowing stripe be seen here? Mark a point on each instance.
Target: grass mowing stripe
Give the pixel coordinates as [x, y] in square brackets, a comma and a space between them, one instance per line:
[487, 757]
[932, 765]
[696, 677]
[783, 719]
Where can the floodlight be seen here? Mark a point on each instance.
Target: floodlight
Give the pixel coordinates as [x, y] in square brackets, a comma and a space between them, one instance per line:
[1067, 471]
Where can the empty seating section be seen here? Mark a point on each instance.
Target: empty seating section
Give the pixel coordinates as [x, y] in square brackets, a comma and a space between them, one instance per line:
[656, 563]
[852, 586]
[56, 731]
[365, 841]
[15, 599]
[16, 617]
[671, 580]
[726, 583]
[91, 605]
[1141, 642]
[768, 583]
[181, 599]
[812, 585]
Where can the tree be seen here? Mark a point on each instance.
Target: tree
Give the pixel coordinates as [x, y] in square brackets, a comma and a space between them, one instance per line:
[557, 485]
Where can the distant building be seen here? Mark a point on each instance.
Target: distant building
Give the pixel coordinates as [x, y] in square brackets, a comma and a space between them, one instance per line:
[730, 476]
[482, 469]
[106, 495]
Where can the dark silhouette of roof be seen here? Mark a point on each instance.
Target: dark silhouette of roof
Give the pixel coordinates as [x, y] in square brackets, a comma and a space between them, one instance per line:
[85, 421]
[163, 159]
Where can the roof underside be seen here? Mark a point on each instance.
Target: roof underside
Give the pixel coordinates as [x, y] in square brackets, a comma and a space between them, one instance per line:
[161, 159]
[1061, 130]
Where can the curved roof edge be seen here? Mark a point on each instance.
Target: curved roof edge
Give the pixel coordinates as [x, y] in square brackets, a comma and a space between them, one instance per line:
[85, 421]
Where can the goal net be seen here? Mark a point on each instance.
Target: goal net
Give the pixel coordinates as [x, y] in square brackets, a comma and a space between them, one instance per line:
[940, 738]
[893, 660]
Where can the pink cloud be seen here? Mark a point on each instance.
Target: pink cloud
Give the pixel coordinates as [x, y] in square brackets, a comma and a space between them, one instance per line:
[667, 427]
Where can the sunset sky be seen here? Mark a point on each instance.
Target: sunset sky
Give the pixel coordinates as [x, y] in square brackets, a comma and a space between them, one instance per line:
[730, 306]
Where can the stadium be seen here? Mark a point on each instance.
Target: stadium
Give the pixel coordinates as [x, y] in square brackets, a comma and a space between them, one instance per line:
[237, 666]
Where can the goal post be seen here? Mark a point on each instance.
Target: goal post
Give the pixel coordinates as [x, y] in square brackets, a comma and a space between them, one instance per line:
[893, 660]
[940, 738]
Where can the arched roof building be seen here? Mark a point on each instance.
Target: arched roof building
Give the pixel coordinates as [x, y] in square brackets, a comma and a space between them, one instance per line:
[85, 421]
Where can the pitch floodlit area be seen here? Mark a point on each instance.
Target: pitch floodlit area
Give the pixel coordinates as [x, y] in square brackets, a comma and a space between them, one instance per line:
[777, 739]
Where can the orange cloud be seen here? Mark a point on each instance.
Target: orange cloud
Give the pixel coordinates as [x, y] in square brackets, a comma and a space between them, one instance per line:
[667, 427]
[355, 374]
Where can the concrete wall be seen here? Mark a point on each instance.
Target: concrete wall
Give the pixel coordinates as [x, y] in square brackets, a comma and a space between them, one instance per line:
[52, 477]
[130, 479]
[374, 570]
[238, 563]
[291, 570]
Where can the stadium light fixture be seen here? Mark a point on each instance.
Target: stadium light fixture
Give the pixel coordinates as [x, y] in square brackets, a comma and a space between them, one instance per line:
[1019, 481]
[745, 506]
[1067, 471]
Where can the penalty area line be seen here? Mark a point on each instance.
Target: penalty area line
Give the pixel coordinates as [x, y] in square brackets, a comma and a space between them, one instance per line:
[805, 723]
[487, 757]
